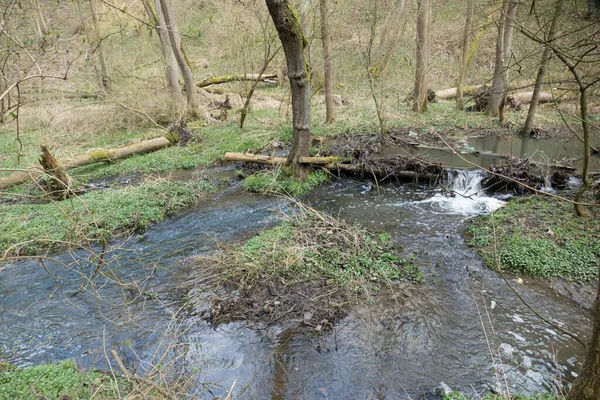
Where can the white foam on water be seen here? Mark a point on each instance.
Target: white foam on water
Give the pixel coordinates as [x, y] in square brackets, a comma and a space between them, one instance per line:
[466, 195]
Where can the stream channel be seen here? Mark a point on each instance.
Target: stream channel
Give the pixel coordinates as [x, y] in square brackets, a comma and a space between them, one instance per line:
[403, 344]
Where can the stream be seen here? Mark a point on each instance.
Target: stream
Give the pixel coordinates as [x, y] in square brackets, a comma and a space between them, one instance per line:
[402, 345]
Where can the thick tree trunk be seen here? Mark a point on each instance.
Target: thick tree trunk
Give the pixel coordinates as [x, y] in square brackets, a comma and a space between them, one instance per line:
[466, 47]
[539, 81]
[193, 102]
[587, 384]
[99, 45]
[499, 82]
[293, 41]
[423, 49]
[93, 56]
[171, 68]
[329, 105]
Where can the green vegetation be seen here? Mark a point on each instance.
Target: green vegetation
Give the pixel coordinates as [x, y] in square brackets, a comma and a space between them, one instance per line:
[314, 246]
[58, 381]
[539, 236]
[277, 181]
[97, 215]
[490, 396]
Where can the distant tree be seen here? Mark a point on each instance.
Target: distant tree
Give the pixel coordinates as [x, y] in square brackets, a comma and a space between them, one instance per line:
[499, 87]
[423, 51]
[99, 46]
[466, 47]
[286, 21]
[328, 73]
[171, 67]
[191, 92]
[89, 36]
[539, 82]
[41, 26]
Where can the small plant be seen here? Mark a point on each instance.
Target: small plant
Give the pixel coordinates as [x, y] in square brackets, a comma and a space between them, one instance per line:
[276, 181]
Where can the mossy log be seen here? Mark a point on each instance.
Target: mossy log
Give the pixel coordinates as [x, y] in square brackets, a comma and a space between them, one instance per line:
[450, 93]
[95, 156]
[520, 97]
[236, 78]
[330, 163]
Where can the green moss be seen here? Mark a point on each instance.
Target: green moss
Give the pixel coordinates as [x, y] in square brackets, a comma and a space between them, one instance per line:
[97, 215]
[277, 181]
[100, 155]
[57, 381]
[172, 137]
[539, 236]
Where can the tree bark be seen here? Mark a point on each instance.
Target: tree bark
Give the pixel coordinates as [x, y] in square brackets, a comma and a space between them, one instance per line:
[193, 101]
[539, 81]
[286, 21]
[99, 45]
[93, 56]
[171, 68]
[235, 78]
[329, 105]
[587, 384]
[423, 49]
[464, 65]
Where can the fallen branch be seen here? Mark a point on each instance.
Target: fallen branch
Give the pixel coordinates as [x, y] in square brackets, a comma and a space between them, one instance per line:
[269, 78]
[95, 156]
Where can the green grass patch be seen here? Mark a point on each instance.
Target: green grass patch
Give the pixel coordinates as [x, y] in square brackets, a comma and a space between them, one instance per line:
[539, 236]
[97, 215]
[276, 181]
[58, 381]
[313, 246]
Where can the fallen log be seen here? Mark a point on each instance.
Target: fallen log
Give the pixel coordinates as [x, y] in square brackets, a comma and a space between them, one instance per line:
[216, 80]
[95, 156]
[450, 93]
[330, 163]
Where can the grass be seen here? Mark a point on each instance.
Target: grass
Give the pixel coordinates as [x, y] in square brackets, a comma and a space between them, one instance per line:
[540, 237]
[276, 181]
[30, 229]
[61, 380]
[314, 246]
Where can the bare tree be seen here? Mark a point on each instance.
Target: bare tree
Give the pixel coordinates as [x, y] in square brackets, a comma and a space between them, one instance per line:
[465, 59]
[390, 35]
[92, 49]
[171, 68]
[499, 88]
[423, 50]
[539, 81]
[42, 27]
[193, 101]
[286, 21]
[99, 46]
[329, 106]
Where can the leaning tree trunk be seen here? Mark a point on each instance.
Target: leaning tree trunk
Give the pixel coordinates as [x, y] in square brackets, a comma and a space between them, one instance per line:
[293, 41]
[329, 106]
[423, 48]
[193, 102]
[169, 60]
[539, 81]
[466, 46]
[99, 46]
[587, 384]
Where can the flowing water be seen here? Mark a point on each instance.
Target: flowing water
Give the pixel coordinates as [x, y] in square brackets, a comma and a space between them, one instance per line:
[409, 339]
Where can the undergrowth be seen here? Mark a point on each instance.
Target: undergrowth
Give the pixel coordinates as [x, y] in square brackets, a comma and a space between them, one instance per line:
[61, 380]
[490, 396]
[30, 229]
[314, 246]
[276, 181]
[539, 237]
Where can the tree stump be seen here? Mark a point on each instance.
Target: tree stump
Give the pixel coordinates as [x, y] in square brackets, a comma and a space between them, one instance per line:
[58, 184]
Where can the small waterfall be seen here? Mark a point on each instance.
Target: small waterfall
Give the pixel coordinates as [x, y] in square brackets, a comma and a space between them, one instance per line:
[464, 194]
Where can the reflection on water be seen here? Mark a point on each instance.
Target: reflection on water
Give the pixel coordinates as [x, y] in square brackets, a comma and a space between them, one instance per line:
[408, 339]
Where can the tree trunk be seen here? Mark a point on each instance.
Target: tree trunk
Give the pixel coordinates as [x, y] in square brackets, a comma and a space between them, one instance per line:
[193, 102]
[464, 65]
[498, 85]
[99, 45]
[587, 384]
[329, 105]
[93, 55]
[41, 22]
[539, 81]
[423, 49]
[390, 35]
[171, 67]
[293, 41]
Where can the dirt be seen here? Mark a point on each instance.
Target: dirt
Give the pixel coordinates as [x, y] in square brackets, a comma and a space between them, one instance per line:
[310, 304]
